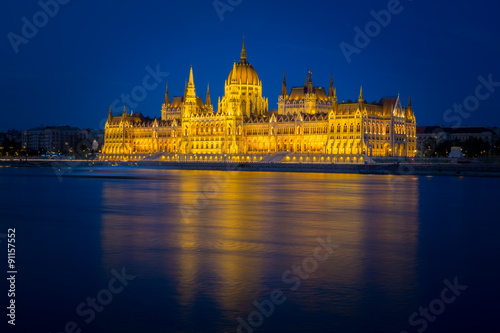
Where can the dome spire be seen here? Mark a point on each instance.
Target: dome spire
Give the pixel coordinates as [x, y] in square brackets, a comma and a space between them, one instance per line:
[243, 50]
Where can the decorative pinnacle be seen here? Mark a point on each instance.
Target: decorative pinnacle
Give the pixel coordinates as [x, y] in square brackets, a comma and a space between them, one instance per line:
[191, 77]
[243, 50]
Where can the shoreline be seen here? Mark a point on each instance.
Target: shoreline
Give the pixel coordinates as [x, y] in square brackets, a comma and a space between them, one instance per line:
[417, 169]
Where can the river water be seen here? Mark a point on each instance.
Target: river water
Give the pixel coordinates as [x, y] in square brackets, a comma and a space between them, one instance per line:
[211, 251]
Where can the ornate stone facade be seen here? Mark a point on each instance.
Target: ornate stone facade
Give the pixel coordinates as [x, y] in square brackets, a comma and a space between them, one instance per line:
[310, 125]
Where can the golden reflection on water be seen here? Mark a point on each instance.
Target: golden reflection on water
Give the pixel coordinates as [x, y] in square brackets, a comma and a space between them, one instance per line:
[234, 247]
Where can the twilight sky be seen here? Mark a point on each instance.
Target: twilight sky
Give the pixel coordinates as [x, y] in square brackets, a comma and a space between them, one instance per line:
[86, 54]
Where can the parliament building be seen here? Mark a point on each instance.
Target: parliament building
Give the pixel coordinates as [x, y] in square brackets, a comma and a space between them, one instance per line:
[310, 126]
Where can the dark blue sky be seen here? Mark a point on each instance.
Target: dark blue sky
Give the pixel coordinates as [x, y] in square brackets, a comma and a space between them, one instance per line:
[89, 53]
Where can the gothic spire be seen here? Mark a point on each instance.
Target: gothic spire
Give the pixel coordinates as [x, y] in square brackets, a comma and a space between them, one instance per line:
[110, 115]
[284, 91]
[361, 95]
[191, 77]
[167, 98]
[310, 83]
[124, 110]
[331, 91]
[208, 101]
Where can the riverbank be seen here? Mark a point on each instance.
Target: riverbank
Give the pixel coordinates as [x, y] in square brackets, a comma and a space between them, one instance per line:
[419, 169]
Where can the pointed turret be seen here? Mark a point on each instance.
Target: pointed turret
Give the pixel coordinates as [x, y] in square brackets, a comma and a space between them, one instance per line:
[167, 98]
[235, 75]
[310, 83]
[243, 50]
[124, 110]
[361, 100]
[190, 101]
[284, 91]
[191, 78]
[409, 111]
[110, 115]
[331, 91]
[305, 84]
[190, 89]
[208, 101]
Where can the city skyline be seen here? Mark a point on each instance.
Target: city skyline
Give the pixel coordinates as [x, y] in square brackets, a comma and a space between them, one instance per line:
[84, 58]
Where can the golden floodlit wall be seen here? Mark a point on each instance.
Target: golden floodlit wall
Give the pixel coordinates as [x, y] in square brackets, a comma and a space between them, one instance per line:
[310, 125]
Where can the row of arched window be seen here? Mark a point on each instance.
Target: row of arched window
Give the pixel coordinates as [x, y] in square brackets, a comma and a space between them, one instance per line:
[345, 128]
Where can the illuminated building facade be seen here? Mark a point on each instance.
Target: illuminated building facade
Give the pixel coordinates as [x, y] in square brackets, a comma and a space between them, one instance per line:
[310, 125]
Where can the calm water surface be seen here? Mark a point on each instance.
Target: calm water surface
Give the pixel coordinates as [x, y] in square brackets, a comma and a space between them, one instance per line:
[206, 246]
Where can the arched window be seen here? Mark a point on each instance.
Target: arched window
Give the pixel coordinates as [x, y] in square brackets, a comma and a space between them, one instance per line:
[351, 128]
[345, 128]
[358, 128]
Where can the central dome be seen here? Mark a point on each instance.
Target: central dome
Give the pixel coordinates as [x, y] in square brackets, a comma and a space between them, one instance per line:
[243, 71]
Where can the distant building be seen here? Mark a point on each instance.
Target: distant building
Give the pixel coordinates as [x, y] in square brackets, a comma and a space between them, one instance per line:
[14, 135]
[52, 139]
[456, 134]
